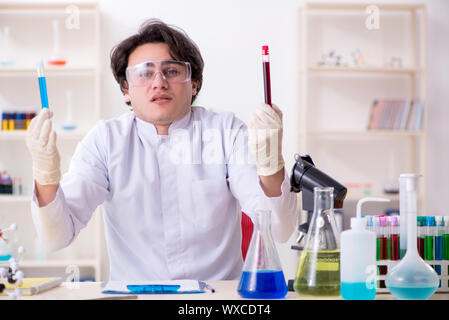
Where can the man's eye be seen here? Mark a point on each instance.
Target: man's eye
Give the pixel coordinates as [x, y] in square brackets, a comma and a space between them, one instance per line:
[145, 74]
[171, 72]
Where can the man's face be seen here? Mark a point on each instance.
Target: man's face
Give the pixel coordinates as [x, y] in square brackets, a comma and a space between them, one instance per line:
[176, 97]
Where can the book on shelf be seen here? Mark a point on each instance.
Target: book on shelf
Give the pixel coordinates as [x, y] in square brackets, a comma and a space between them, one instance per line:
[396, 114]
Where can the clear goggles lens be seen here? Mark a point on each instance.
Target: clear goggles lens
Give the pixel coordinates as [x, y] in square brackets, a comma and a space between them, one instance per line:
[171, 71]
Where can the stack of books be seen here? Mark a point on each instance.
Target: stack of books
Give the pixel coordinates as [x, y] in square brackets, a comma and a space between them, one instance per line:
[387, 114]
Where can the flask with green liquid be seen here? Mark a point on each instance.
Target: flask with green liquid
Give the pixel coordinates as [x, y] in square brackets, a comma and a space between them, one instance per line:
[318, 272]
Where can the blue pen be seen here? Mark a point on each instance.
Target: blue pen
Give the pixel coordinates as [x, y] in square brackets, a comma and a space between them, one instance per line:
[42, 84]
[153, 288]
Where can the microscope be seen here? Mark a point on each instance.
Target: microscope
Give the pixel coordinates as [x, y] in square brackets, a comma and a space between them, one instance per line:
[305, 177]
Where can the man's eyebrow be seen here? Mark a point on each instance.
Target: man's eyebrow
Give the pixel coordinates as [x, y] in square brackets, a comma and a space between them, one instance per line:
[148, 64]
[170, 62]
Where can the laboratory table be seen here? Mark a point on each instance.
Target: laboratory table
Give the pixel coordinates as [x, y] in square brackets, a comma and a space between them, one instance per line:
[224, 290]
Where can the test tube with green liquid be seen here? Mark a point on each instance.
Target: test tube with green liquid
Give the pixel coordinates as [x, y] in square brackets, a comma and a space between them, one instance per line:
[429, 239]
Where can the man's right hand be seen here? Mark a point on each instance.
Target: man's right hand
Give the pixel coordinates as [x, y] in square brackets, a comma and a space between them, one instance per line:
[41, 142]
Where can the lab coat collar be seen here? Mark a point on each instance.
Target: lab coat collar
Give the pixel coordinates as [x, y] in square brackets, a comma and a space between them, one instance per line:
[148, 130]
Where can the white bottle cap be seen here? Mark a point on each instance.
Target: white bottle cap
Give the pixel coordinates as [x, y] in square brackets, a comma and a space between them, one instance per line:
[358, 223]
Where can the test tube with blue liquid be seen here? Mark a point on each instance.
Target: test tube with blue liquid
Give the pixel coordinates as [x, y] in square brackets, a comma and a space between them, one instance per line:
[42, 84]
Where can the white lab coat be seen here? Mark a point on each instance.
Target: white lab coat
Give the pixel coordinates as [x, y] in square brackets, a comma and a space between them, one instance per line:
[172, 203]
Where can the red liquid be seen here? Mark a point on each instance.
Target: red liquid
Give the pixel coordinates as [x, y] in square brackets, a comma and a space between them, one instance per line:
[267, 82]
[394, 247]
[383, 255]
[57, 62]
[383, 248]
[421, 247]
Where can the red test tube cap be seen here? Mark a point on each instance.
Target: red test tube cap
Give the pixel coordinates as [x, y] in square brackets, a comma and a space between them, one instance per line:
[265, 50]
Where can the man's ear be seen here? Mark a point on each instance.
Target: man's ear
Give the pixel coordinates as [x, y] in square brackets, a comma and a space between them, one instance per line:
[194, 87]
[126, 95]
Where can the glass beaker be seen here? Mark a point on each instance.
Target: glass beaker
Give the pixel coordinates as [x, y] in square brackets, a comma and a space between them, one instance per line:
[412, 278]
[262, 276]
[318, 272]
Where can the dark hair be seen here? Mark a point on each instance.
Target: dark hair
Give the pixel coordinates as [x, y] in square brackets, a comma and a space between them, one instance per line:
[181, 48]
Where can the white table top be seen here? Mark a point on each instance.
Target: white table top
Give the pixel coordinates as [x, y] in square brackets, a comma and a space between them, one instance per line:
[224, 290]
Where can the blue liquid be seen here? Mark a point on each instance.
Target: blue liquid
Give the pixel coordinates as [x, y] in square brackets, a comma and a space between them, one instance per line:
[357, 291]
[412, 293]
[438, 248]
[43, 91]
[262, 284]
[5, 257]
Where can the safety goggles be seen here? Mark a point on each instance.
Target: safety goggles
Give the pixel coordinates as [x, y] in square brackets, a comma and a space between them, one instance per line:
[171, 71]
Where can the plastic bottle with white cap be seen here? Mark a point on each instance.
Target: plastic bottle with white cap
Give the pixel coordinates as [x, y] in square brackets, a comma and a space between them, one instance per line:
[358, 258]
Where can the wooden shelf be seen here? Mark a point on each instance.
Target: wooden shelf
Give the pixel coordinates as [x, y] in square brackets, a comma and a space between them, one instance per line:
[8, 198]
[55, 263]
[356, 196]
[21, 134]
[360, 7]
[50, 71]
[366, 134]
[369, 70]
[43, 8]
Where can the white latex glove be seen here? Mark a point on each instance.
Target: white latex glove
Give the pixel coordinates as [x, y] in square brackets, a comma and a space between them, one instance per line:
[41, 142]
[265, 139]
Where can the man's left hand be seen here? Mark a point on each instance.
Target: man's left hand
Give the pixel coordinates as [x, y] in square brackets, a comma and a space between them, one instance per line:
[265, 139]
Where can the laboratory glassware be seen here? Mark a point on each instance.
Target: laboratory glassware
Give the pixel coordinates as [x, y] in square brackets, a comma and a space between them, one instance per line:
[68, 123]
[262, 276]
[319, 265]
[412, 278]
[6, 58]
[266, 74]
[42, 84]
[57, 58]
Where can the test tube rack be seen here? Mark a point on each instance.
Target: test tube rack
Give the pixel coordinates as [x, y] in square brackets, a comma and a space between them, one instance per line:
[444, 277]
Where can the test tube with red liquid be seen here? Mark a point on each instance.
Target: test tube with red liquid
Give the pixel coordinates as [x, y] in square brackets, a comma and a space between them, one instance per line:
[394, 237]
[266, 74]
[382, 245]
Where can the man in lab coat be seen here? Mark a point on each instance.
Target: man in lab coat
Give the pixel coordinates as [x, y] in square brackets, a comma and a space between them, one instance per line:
[172, 178]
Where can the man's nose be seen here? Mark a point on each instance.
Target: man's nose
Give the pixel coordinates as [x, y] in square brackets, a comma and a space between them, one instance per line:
[159, 81]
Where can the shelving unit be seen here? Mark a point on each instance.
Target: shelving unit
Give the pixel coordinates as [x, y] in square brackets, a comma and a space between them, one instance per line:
[20, 135]
[364, 70]
[19, 88]
[334, 103]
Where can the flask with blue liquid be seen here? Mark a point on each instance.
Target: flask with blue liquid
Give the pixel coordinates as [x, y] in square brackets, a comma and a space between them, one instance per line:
[412, 278]
[262, 276]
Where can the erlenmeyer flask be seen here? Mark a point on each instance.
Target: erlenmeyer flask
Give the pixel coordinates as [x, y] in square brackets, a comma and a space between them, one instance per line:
[262, 276]
[319, 265]
[412, 278]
